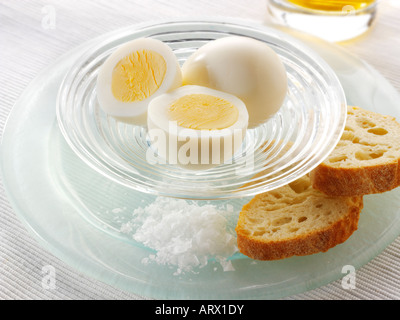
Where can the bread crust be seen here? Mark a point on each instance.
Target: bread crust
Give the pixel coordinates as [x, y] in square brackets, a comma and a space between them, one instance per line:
[306, 244]
[356, 181]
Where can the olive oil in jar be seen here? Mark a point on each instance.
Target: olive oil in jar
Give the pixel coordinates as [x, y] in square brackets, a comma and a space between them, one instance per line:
[332, 20]
[332, 5]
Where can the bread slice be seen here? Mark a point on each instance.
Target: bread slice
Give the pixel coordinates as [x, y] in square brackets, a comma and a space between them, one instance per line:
[295, 220]
[366, 159]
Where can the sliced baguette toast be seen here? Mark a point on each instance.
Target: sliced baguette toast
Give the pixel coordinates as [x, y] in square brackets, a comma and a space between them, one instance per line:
[365, 161]
[295, 220]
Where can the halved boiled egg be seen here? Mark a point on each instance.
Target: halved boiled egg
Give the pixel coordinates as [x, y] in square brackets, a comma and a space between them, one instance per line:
[133, 75]
[196, 127]
[245, 67]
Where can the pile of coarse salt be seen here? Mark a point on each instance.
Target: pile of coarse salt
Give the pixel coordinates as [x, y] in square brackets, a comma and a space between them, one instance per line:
[184, 234]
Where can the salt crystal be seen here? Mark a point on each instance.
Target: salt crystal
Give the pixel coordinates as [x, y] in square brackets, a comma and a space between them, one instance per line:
[226, 265]
[126, 227]
[184, 234]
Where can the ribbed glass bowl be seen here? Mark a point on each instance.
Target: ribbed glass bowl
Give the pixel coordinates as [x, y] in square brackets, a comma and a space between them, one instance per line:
[290, 144]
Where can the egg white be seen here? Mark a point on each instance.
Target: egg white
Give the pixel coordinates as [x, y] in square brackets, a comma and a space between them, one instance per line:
[135, 112]
[245, 67]
[206, 148]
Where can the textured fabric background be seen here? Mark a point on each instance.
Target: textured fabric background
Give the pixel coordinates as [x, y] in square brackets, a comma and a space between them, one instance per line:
[27, 46]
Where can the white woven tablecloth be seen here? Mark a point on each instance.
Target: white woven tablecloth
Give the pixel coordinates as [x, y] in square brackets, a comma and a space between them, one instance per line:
[29, 43]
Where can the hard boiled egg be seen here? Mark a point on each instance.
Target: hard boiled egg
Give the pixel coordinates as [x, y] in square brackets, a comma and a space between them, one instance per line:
[245, 67]
[196, 127]
[133, 75]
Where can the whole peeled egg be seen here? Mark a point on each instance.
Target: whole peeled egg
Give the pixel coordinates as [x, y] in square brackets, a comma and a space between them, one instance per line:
[242, 66]
[196, 127]
[134, 74]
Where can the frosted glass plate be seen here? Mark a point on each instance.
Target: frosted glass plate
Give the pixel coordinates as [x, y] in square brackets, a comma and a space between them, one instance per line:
[70, 208]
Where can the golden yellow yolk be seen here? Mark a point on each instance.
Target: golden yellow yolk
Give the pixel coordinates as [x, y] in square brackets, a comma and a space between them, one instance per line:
[138, 75]
[203, 112]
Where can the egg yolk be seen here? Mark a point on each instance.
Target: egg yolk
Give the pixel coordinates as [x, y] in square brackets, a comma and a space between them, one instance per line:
[138, 75]
[203, 112]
